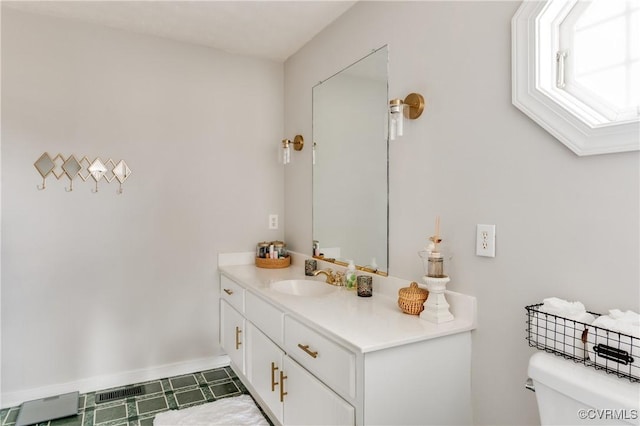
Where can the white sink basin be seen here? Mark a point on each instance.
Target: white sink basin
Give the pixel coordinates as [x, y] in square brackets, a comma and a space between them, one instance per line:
[302, 287]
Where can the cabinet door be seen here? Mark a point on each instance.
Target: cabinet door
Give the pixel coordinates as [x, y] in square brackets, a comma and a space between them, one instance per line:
[264, 363]
[309, 402]
[232, 332]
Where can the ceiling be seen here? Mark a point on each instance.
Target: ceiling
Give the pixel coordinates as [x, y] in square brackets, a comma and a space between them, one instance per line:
[266, 29]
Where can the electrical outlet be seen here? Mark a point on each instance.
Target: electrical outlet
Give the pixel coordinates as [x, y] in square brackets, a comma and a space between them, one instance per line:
[486, 240]
[273, 221]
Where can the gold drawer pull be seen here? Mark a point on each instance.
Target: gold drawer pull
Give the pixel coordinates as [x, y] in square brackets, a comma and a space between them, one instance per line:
[305, 348]
[273, 377]
[282, 392]
[238, 342]
[229, 292]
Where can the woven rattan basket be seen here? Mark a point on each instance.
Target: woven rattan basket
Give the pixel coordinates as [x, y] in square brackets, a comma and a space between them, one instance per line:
[411, 299]
[273, 263]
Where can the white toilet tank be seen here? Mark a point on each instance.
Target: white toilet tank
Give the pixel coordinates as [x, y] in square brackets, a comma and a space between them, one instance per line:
[569, 393]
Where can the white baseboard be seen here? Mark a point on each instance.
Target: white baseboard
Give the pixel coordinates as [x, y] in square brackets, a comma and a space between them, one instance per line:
[91, 384]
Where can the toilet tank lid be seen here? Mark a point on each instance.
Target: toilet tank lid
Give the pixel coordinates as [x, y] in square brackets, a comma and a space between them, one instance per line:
[592, 387]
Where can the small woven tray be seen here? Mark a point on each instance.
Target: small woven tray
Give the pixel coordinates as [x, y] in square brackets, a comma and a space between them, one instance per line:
[411, 299]
[273, 263]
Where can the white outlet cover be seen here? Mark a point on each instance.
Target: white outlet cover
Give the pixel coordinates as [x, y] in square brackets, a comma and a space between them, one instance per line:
[273, 221]
[486, 240]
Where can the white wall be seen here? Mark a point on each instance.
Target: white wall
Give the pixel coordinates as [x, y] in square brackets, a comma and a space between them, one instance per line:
[566, 226]
[96, 285]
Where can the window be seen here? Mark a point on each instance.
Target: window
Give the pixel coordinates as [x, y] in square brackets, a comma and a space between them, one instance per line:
[576, 71]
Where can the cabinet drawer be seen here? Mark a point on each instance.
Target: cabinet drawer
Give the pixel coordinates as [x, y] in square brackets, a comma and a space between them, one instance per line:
[265, 315]
[232, 293]
[327, 360]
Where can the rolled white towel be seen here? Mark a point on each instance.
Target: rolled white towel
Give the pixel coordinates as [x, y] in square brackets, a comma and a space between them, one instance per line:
[562, 329]
[623, 322]
[563, 308]
[628, 316]
[626, 319]
[627, 323]
[571, 310]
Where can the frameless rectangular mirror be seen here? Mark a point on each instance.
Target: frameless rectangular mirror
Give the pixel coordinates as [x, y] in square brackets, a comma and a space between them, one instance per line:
[350, 166]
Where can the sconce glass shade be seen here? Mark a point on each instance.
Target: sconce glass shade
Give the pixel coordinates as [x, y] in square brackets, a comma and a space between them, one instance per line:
[297, 144]
[286, 151]
[411, 107]
[396, 118]
[313, 154]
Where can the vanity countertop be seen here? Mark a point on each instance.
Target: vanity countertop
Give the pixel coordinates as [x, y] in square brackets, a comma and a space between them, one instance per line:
[365, 324]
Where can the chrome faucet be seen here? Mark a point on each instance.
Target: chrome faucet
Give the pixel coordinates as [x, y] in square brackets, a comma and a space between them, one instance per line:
[333, 278]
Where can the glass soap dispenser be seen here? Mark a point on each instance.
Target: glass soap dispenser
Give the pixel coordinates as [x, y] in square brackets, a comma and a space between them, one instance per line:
[350, 276]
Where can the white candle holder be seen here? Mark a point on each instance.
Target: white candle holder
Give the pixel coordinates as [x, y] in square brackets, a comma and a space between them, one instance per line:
[436, 308]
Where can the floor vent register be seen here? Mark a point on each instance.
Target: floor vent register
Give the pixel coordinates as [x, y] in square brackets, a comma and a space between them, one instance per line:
[119, 394]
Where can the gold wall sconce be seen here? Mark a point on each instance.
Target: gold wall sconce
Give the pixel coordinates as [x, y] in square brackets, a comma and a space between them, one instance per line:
[298, 144]
[411, 107]
[71, 167]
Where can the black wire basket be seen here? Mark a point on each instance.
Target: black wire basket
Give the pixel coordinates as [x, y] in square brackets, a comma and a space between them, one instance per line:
[597, 347]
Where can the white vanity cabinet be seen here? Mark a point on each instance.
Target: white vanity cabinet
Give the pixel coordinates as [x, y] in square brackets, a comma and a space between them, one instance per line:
[303, 373]
[252, 333]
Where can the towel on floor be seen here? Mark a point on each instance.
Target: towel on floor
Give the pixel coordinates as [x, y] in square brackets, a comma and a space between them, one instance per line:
[239, 410]
[562, 329]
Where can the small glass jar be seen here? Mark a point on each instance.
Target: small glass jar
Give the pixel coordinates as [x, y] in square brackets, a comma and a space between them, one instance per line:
[280, 248]
[435, 266]
[262, 250]
[365, 285]
[310, 265]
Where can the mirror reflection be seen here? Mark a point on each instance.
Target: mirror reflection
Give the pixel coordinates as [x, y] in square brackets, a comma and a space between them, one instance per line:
[71, 167]
[350, 189]
[121, 171]
[45, 165]
[97, 169]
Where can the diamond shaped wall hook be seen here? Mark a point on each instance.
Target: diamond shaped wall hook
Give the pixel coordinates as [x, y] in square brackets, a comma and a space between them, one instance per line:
[71, 167]
[44, 165]
[97, 170]
[121, 171]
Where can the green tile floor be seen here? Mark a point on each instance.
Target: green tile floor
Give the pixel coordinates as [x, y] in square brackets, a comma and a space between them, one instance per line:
[159, 395]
